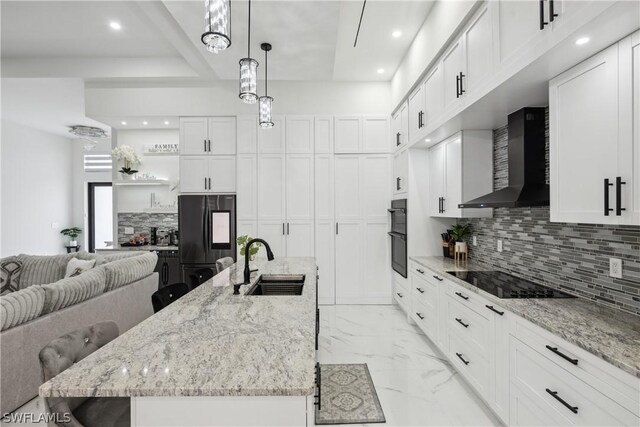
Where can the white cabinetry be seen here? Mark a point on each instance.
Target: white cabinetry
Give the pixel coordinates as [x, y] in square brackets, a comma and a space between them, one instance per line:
[592, 105]
[325, 227]
[247, 191]
[400, 172]
[416, 113]
[400, 127]
[453, 70]
[273, 140]
[207, 174]
[247, 134]
[207, 135]
[434, 95]
[323, 134]
[478, 44]
[361, 134]
[348, 134]
[361, 243]
[461, 169]
[300, 134]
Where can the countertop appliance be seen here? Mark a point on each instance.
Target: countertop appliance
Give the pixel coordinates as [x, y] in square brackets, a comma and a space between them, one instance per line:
[504, 285]
[398, 235]
[207, 225]
[527, 167]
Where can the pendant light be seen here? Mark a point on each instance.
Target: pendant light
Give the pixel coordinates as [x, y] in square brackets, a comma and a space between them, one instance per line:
[265, 101]
[249, 72]
[217, 27]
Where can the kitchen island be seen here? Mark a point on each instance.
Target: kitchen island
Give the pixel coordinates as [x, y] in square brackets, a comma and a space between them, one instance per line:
[211, 357]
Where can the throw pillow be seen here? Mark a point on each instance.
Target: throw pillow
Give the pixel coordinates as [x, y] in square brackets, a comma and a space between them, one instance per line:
[78, 266]
[10, 270]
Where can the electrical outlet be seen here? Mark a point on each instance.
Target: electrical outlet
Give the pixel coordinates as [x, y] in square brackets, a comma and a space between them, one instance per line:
[615, 267]
[499, 245]
[128, 230]
[475, 241]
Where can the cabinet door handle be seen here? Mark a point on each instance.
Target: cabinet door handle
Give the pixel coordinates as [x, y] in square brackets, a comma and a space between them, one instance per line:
[287, 229]
[337, 228]
[209, 183]
[420, 316]
[466, 325]
[458, 86]
[204, 147]
[464, 297]
[461, 85]
[439, 204]
[397, 183]
[607, 184]
[420, 271]
[397, 139]
[443, 209]
[619, 184]
[573, 409]
[561, 354]
[466, 362]
[209, 145]
[490, 307]
[542, 21]
[439, 279]
[420, 290]
[552, 14]
[399, 294]
[205, 182]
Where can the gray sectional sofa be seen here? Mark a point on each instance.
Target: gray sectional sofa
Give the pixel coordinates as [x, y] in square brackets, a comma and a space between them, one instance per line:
[46, 305]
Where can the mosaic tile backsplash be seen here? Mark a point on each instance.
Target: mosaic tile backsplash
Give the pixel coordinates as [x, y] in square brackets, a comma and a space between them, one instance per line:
[143, 222]
[571, 257]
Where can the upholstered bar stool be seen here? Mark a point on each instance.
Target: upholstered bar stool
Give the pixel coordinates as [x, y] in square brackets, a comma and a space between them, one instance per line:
[59, 355]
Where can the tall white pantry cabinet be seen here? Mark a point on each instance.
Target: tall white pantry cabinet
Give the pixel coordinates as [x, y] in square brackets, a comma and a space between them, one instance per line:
[313, 186]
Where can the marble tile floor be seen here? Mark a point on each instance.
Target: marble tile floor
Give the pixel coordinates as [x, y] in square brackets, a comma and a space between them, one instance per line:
[415, 384]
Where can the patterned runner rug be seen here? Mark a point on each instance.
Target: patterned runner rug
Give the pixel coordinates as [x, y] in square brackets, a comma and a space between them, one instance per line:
[348, 396]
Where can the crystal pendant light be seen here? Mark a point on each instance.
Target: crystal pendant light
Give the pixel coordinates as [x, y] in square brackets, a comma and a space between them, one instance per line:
[265, 101]
[217, 30]
[249, 72]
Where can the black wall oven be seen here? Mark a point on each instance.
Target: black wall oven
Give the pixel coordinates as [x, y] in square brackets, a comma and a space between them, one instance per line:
[398, 235]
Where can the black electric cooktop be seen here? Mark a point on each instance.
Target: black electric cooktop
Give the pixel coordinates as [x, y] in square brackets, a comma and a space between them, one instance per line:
[504, 285]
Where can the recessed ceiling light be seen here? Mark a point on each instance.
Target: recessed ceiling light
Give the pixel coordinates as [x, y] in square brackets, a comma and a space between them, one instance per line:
[582, 40]
[123, 123]
[115, 25]
[380, 70]
[427, 140]
[166, 122]
[396, 34]
[145, 123]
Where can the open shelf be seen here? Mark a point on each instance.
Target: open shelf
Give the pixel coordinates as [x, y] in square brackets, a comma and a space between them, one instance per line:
[141, 182]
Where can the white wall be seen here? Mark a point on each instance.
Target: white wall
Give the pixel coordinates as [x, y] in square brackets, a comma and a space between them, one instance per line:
[444, 20]
[221, 98]
[137, 198]
[37, 200]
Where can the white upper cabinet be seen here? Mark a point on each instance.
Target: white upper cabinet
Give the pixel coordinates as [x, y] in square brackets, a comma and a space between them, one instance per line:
[375, 134]
[247, 134]
[324, 186]
[400, 172]
[416, 113]
[519, 26]
[193, 135]
[271, 187]
[635, 68]
[194, 173]
[348, 134]
[222, 174]
[479, 51]
[207, 135]
[592, 105]
[272, 140]
[454, 75]
[361, 134]
[347, 188]
[460, 169]
[300, 134]
[433, 95]
[299, 187]
[323, 134]
[222, 135]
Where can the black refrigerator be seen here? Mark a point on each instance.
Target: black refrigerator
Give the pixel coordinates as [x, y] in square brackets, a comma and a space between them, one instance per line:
[207, 225]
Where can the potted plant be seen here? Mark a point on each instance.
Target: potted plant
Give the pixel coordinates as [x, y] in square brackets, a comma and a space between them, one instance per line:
[460, 233]
[73, 234]
[242, 243]
[129, 156]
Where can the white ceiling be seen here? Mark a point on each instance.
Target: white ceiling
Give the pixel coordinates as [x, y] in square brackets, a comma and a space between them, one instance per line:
[160, 40]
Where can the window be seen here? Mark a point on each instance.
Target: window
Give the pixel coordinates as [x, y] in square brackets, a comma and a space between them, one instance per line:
[97, 162]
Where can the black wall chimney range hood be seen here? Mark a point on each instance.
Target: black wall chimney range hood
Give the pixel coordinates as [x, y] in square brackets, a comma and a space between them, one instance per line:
[526, 160]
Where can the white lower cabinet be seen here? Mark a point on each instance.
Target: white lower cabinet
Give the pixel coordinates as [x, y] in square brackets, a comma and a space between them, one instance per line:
[525, 374]
[325, 254]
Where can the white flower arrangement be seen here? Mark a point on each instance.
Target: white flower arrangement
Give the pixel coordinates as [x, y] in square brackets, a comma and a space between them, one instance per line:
[129, 156]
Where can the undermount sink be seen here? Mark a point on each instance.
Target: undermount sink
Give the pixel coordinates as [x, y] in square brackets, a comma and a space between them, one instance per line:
[278, 284]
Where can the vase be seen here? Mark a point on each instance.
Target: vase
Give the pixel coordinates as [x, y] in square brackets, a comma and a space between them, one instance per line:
[126, 176]
[73, 243]
[462, 246]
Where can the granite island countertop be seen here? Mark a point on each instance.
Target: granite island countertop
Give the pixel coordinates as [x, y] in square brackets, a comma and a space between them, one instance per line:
[210, 343]
[140, 248]
[610, 334]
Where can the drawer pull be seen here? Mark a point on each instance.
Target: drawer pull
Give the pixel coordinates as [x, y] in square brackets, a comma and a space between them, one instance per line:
[399, 294]
[464, 297]
[466, 362]
[439, 279]
[564, 356]
[466, 325]
[573, 409]
[420, 290]
[420, 271]
[420, 316]
[490, 307]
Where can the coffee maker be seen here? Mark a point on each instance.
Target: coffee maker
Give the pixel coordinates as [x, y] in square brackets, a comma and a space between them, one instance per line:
[153, 236]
